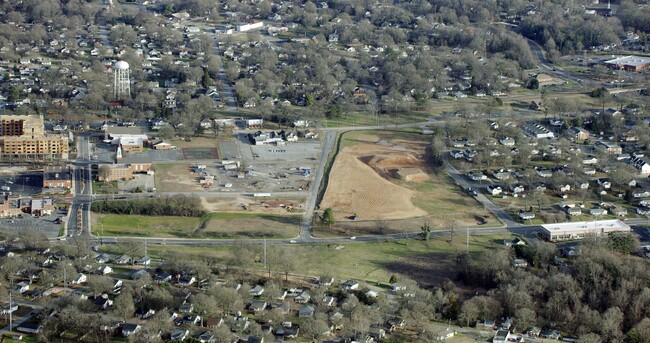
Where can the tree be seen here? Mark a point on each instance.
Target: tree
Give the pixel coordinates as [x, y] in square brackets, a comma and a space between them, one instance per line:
[589, 338]
[99, 284]
[426, 231]
[624, 243]
[524, 318]
[327, 218]
[532, 83]
[123, 305]
[206, 81]
[204, 305]
[469, 313]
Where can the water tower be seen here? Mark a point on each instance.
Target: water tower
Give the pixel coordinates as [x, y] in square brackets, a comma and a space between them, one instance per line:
[122, 85]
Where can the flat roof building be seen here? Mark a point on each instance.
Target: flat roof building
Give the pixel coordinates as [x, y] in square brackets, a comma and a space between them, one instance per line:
[630, 63]
[580, 230]
[57, 177]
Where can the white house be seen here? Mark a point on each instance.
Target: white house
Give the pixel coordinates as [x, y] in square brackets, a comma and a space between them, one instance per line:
[252, 25]
[78, 279]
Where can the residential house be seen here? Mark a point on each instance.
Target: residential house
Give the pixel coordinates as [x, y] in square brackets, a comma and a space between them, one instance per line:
[501, 336]
[526, 215]
[103, 302]
[162, 277]
[144, 313]
[191, 320]
[257, 306]
[609, 147]
[513, 242]
[179, 334]
[186, 280]
[618, 211]
[501, 175]
[186, 307]
[476, 176]
[538, 131]
[257, 291]
[103, 258]
[550, 334]
[79, 279]
[641, 164]
[573, 211]
[104, 270]
[306, 311]
[206, 337]
[143, 261]
[21, 287]
[494, 189]
[350, 285]
[507, 141]
[128, 329]
[598, 212]
[519, 263]
[303, 298]
[543, 172]
[124, 259]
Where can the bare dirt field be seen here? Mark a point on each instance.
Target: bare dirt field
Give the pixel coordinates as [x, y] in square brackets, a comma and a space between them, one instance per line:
[383, 181]
[360, 180]
[253, 205]
[176, 178]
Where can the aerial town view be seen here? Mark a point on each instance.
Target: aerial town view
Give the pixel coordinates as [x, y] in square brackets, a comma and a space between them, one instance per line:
[243, 171]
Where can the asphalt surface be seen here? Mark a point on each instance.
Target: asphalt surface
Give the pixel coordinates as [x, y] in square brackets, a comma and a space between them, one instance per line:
[546, 66]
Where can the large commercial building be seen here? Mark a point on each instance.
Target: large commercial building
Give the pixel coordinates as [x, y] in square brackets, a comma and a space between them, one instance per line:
[580, 230]
[23, 138]
[629, 63]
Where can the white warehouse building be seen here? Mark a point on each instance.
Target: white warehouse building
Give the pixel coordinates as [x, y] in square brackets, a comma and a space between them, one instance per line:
[580, 230]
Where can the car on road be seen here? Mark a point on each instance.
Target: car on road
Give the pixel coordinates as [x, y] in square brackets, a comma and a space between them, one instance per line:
[5, 188]
[293, 241]
[9, 182]
[353, 237]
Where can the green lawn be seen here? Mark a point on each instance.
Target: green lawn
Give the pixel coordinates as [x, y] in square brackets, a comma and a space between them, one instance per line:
[214, 225]
[428, 261]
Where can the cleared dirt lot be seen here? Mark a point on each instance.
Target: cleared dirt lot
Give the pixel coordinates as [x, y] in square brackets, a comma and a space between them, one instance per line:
[253, 205]
[383, 179]
[176, 178]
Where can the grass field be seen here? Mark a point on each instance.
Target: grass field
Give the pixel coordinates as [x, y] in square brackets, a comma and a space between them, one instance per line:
[427, 262]
[214, 225]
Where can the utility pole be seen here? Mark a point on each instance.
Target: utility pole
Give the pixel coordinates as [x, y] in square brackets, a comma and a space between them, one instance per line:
[467, 243]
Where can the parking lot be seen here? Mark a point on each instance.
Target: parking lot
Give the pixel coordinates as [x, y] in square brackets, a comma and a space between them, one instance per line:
[25, 184]
[261, 169]
[46, 225]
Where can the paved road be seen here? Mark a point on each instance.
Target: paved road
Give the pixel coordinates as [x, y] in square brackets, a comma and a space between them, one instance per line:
[502, 215]
[546, 66]
[327, 147]
[228, 93]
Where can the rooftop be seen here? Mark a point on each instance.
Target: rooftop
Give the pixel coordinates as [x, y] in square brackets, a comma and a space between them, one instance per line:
[609, 225]
[630, 60]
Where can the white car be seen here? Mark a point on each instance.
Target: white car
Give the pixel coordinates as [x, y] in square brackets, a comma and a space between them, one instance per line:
[293, 241]
[353, 237]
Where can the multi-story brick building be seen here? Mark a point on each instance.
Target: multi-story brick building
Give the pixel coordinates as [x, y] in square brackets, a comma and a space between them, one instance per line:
[113, 172]
[24, 138]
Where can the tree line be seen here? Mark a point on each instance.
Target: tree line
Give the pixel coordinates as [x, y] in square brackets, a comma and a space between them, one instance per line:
[175, 205]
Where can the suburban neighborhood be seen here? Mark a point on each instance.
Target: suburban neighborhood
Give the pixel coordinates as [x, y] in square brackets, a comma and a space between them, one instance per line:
[338, 171]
